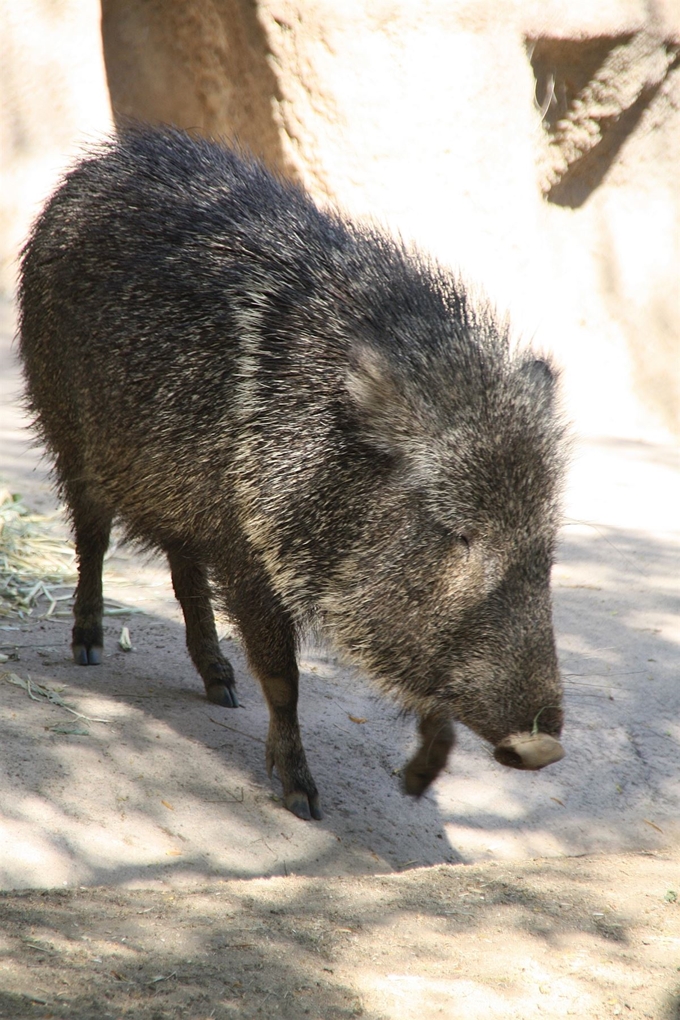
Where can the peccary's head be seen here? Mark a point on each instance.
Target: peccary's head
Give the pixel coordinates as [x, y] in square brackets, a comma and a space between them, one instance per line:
[447, 597]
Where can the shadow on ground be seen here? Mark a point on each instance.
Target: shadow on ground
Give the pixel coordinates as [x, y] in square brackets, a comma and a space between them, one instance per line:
[527, 940]
[171, 785]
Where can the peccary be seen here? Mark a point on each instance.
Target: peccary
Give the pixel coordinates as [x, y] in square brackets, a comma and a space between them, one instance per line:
[317, 425]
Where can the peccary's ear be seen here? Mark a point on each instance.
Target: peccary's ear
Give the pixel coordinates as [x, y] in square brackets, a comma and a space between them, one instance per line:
[542, 378]
[379, 399]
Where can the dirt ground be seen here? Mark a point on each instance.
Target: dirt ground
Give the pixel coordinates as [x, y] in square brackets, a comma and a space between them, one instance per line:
[587, 937]
[150, 870]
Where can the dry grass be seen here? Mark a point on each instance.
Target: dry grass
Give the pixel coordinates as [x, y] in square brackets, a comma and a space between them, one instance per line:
[35, 559]
[38, 564]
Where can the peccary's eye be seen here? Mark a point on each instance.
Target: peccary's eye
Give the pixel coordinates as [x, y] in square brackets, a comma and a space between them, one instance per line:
[464, 541]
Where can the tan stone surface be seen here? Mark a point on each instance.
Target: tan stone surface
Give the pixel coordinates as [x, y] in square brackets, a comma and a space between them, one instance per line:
[201, 65]
[425, 117]
[53, 98]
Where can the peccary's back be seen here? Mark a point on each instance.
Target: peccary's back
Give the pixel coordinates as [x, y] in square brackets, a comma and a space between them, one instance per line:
[152, 269]
[209, 350]
[165, 282]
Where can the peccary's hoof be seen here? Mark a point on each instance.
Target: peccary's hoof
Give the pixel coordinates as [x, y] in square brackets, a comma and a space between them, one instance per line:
[84, 656]
[220, 694]
[415, 783]
[303, 806]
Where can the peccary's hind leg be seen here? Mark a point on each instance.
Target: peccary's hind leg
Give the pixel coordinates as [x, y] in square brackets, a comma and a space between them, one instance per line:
[437, 739]
[191, 586]
[92, 526]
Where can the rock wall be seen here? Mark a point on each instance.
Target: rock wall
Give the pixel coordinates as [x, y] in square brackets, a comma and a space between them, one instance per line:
[53, 97]
[533, 144]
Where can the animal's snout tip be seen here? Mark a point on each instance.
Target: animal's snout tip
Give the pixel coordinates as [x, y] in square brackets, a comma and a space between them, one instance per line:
[528, 751]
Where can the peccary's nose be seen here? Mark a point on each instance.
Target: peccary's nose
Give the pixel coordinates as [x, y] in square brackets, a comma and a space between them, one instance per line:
[529, 751]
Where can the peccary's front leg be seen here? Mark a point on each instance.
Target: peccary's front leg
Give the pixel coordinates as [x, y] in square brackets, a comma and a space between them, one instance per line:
[284, 745]
[269, 638]
[437, 739]
[191, 586]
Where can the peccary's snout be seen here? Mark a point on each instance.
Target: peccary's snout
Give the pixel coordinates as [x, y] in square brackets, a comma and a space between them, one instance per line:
[528, 751]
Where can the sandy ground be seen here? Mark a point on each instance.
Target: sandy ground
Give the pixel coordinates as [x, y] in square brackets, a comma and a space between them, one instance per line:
[151, 870]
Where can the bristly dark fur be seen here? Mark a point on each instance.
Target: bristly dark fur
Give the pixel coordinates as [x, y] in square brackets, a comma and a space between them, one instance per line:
[323, 423]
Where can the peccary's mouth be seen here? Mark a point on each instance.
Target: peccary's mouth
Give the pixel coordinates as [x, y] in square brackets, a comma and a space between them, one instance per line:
[528, 751]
